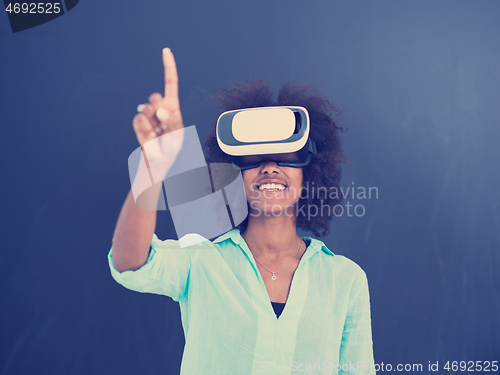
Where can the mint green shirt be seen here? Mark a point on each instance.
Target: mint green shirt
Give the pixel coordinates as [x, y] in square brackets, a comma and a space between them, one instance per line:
[229, 323]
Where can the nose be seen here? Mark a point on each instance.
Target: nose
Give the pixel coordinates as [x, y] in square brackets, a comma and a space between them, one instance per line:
[269, 167]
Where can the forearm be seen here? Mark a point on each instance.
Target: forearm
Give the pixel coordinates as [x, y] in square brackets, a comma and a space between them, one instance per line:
[133, 233]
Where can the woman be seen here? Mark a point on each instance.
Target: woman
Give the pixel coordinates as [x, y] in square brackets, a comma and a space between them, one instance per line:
[259, 299]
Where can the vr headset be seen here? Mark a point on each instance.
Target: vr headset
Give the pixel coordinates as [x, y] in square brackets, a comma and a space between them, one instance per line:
[254, 135]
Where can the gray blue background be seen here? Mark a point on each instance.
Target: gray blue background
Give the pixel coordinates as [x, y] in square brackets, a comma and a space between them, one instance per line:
[417, 82]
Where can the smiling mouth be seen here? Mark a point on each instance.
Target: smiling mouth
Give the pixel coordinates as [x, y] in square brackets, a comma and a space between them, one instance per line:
[272, 187]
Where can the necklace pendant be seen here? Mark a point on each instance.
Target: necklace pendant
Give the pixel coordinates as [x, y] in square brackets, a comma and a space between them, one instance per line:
[273, 277]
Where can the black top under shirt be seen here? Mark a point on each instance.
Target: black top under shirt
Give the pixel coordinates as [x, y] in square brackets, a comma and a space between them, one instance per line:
[277, 306]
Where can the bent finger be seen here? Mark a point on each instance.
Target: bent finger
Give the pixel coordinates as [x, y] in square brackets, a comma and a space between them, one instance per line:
[155, 99]
[143, 127]
[150, 111]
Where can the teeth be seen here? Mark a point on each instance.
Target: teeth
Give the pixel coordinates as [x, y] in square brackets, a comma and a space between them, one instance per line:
[272, 186]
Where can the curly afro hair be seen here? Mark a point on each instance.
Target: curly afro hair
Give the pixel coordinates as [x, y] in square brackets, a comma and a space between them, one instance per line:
[323, 172]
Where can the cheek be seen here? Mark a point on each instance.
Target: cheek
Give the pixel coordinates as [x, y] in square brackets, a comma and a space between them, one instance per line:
[297, 181]
[300, 179]
[247, 182]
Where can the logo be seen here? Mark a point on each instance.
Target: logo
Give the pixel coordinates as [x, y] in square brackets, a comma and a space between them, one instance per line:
[208, 200]
[25, 15]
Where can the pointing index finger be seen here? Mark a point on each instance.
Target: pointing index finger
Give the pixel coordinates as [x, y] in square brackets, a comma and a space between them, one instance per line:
[171, 78]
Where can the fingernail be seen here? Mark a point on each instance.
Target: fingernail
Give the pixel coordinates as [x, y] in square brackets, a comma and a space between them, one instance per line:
[163, 126]
[152, 134]
[140, 107]
[166, 49]
[162, 114]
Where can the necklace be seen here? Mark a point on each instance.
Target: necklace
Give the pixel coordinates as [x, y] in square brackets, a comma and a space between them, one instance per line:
[273, 277]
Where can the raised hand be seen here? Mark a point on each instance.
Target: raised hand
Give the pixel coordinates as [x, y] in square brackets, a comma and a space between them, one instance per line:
[160, 117]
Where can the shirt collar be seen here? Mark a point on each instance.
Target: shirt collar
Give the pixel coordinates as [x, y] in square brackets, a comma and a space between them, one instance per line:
[314, 246]
[234, 235]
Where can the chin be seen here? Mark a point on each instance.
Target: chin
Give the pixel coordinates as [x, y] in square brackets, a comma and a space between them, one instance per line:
[272, 209]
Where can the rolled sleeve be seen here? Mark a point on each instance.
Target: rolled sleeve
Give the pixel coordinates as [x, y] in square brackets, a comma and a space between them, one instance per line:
[166, 271]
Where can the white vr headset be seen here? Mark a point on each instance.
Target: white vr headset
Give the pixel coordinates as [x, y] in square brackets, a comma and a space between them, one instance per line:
[253, 135]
